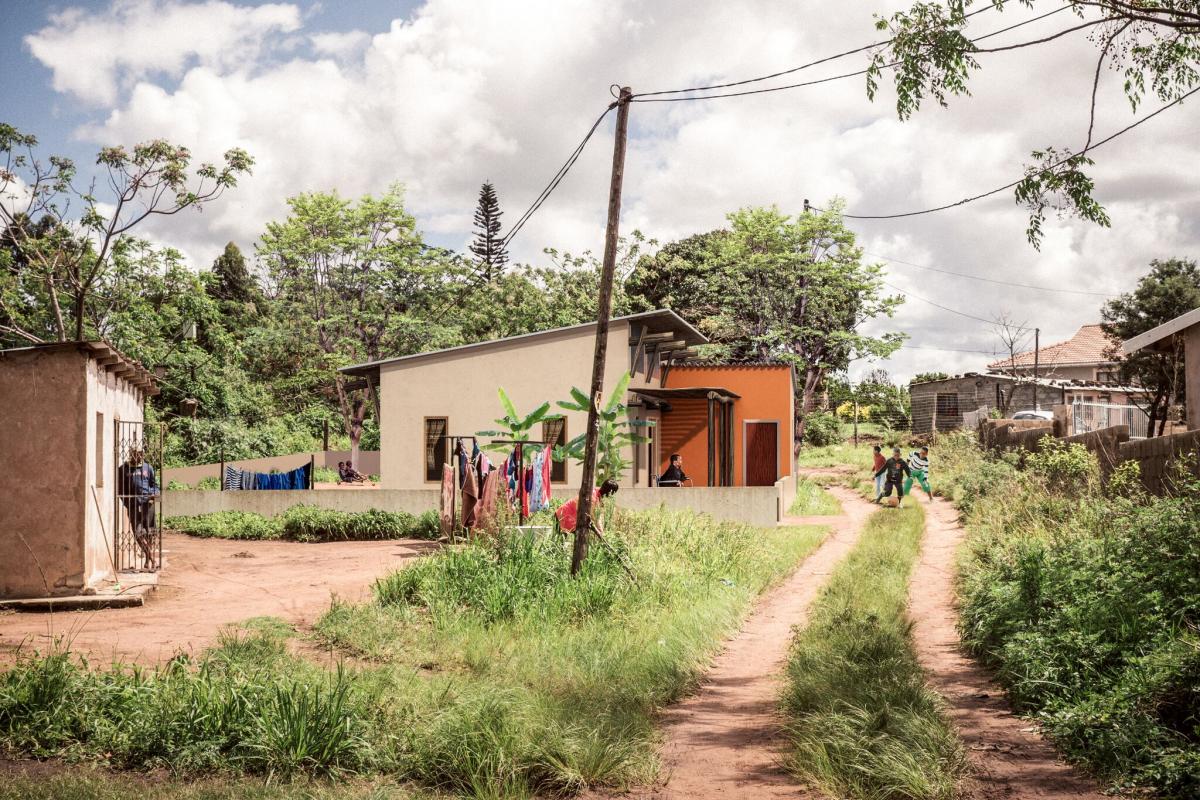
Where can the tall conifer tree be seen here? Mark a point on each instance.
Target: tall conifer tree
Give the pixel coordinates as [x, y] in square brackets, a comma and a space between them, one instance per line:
[488, 247]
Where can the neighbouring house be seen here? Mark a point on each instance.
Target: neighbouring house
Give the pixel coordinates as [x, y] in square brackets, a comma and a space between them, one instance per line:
[732, 423]
[60, 405]
[1186, 329]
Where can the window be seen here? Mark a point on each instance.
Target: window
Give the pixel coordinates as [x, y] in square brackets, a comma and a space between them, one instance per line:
[99, 449]
[554, 432]
[437, 447]
[947, 407]
[1105, 376]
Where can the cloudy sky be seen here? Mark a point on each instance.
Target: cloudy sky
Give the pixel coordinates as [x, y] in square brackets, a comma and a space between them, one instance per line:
[444, 94]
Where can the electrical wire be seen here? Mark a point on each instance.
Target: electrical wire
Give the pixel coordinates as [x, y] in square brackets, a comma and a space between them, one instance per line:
[656, 97]
[988, 280]
[951, 310]
[1006, 186]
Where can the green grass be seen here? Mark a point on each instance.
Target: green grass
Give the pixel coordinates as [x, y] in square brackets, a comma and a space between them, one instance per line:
[310, 524]
[812, 500]
[835, 456]
[67, 782]
[861, 720]
[483, 671]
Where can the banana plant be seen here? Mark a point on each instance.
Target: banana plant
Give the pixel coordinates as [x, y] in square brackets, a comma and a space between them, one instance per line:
[515, 427]
[617, 432]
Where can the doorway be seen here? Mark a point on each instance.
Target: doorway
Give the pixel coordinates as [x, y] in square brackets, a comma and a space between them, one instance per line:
[137, 499]
[762, 452]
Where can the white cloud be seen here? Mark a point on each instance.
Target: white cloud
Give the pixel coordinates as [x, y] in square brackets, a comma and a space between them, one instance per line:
[94, 55]
[460, 92]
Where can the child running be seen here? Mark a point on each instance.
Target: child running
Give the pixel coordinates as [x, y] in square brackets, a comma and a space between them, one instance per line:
[918, 468]
[879, 462]
[894, 469]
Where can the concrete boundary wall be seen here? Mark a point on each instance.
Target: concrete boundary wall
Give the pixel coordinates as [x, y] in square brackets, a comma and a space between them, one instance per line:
[273, 502]
[1156, 457]
[368, 464]
[754, 505]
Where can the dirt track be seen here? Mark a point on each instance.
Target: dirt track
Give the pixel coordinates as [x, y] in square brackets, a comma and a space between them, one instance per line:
[1009, 758]
[209, 583]
[725, 740]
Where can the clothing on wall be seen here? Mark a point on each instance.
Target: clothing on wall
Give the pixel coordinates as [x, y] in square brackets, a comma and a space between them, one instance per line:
[244, 480]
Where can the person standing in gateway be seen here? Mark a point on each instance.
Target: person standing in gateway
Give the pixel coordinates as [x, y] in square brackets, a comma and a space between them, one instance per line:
[138, 489]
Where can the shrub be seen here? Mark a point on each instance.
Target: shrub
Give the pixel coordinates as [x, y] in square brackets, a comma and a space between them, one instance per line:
[178, 486]
[325, 475]
[821, 429]
[209, 483]
[310, 524]
[227, 525]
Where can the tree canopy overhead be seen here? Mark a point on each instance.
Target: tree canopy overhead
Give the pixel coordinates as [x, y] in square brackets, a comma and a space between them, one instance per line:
[1156, 45]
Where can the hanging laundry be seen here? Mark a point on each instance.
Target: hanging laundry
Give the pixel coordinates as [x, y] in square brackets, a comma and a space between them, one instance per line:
[486, 509]
[537, 490]
[546, 466]
[470, 495]
[464, 463]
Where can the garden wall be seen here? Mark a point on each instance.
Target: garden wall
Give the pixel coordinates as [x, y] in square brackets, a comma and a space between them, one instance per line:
[754, 505]
[368, 464]
[1105, 443]
[1156, 456]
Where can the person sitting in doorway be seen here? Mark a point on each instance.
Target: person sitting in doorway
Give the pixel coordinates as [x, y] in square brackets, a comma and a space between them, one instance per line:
[674, 476]
[894, 471]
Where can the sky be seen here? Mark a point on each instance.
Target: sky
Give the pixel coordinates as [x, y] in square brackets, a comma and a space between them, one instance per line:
[443, 94]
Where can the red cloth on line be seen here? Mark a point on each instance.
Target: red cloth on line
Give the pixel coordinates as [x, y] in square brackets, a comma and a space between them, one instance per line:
[470, 495]
[568, 512]
[485, 511]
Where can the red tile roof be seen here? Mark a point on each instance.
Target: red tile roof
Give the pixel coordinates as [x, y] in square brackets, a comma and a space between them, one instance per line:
[1087, 346]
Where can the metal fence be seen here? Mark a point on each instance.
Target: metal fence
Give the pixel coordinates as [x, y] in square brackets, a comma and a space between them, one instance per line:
[1088, 417]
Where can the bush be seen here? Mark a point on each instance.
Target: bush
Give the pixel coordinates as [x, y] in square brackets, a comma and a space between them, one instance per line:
[311, 524]
[178, 486]
[821, 429]
[209, 483]
[227, 525]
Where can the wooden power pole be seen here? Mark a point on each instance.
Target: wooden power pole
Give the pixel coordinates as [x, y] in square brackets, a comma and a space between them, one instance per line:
[583, 522]
[1037, 352]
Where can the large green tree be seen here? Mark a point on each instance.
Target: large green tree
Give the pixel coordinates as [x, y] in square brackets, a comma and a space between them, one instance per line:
[1171, 288]
[778, 287]
[1155, 44]
[69, 256]
[355, 283]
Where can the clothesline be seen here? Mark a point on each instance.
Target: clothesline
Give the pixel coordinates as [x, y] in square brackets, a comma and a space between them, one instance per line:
[236, 479]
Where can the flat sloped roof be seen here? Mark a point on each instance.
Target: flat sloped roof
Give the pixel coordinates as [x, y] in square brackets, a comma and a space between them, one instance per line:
[111, 359]
[689, 334]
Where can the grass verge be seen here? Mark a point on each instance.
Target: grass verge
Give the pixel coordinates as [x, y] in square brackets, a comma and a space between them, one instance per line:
[484, 671]
[861, 720]
[64, 782]
[812, 500]
[310, 524]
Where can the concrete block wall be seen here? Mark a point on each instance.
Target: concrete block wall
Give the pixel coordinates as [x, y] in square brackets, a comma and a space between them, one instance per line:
[1105, 443]
[1156, 457]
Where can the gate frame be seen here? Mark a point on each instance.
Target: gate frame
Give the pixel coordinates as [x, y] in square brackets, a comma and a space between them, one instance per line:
[121, 521]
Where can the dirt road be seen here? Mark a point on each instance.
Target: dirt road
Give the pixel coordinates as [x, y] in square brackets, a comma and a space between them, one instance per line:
[725, 740]
[1009, 758]
[209, 583]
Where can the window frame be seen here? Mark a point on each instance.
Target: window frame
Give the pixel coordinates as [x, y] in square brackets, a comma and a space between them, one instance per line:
[556, 466]
[425, 469]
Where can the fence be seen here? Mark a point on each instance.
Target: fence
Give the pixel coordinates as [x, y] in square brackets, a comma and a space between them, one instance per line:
[1090, 417]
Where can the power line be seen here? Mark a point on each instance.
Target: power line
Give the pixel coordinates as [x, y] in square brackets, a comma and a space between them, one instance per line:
[1044, 170]
[988, 280]
[656, 97]
[951, 310]
[556, 180]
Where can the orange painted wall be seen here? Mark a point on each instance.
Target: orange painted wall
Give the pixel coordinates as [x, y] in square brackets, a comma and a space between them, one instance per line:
[766, 394]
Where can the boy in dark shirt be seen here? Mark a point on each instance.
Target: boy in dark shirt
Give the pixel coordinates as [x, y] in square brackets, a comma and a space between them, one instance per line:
[894, 470]
[674, 476]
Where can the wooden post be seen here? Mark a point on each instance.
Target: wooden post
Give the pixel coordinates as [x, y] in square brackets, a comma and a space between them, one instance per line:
[325, 436]
[712, 444]
[221, 474]
[1036, 348]
[583, 522]
[312, 470]
[856, 423]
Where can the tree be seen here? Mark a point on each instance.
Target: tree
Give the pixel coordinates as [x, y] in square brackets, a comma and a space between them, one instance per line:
[355, 280]
[775, 287]
[1155, 44]
[1171, 288]
[233, 282]
[680, 276]
[1013, 339]
[616, 435]
[490, 252]
[72, 255]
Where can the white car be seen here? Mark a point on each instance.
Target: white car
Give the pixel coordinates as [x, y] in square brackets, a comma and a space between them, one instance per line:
[1031, 414]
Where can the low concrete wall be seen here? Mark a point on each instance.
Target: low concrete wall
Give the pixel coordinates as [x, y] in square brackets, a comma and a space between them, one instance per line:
[1156, 456]
[368, 464]
[998, 434]
[271, 503]
[753, 505]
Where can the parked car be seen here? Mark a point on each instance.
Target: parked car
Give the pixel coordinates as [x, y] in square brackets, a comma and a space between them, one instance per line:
[1029, 413]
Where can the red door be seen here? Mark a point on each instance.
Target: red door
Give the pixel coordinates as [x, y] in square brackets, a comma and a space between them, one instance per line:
[762, 453]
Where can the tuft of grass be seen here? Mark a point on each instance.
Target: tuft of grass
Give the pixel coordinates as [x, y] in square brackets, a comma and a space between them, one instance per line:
[861, 720]
[813, 500]
[55, 782]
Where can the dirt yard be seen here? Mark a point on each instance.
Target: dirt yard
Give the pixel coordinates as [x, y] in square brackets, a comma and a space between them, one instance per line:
[210, 583]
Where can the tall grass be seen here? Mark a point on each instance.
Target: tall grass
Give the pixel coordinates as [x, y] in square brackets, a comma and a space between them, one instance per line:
[861, 720]
[484, 671]
[811, 499]
[310, 524]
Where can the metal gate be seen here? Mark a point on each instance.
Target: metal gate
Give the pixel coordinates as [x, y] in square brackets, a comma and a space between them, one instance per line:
[137, 511]
[1088, 417]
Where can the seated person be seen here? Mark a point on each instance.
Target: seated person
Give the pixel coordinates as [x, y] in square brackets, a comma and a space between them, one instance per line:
[347, 473]
[674, 476]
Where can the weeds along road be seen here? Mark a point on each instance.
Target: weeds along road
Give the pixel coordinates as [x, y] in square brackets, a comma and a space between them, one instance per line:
[210, 583]
[725, 741]
[1008, 757]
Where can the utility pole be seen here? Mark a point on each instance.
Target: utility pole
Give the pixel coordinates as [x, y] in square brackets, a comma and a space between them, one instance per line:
[583, 524]
[1037, 353]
